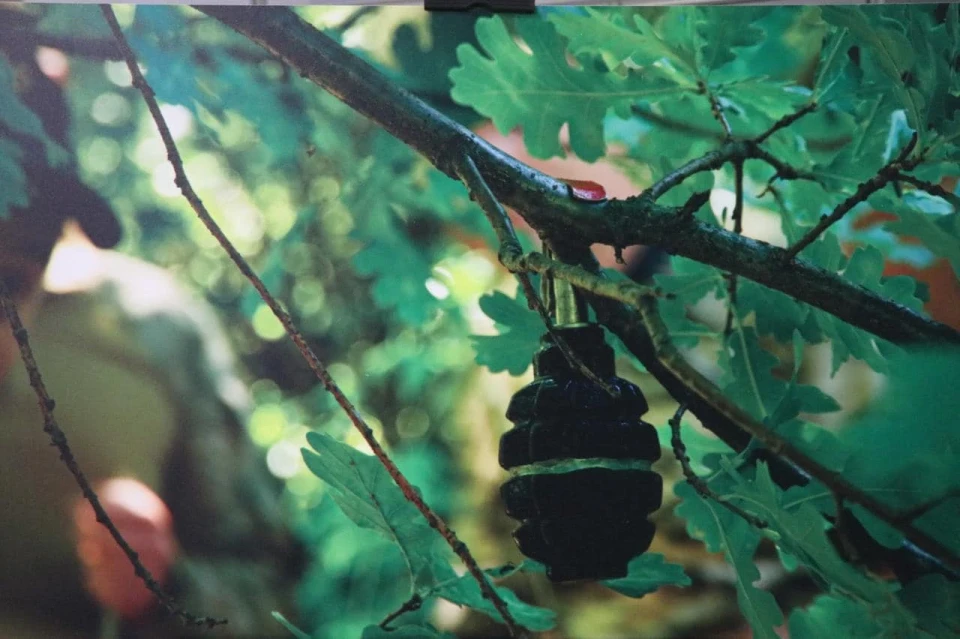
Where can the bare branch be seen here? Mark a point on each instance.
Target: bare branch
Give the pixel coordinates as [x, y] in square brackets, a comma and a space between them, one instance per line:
[318, 368]
[415, 602]
[886, 175]
[785, 121]
[931, 188]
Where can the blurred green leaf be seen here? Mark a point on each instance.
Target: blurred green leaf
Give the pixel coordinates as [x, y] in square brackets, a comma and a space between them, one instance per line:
[935, 602]
[18, 118]
[14, 180]
[520, 330]
[465, 591]
[367, 494]
[400, 273]
[646, 573]
[911, 428]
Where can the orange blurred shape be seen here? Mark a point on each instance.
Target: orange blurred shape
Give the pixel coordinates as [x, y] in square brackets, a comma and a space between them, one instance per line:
[146, 524]
[939, 276]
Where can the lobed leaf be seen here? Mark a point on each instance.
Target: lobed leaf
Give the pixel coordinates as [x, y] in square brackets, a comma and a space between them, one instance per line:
[721, 530]
[542, 92]
[520, 331]
[367, 494]
[646, 573]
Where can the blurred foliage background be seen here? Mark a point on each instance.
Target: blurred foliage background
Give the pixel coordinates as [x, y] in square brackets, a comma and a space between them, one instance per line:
[385, 265]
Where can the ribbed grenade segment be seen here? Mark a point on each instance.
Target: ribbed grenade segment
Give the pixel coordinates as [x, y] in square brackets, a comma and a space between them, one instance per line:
[580, 458]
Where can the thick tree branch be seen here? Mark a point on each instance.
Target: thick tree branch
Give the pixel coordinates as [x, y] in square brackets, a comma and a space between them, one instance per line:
[544, 201]
[316, 365]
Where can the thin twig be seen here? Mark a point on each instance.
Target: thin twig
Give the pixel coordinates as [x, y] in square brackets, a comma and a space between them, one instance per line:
[784, 171]
[931, 188]
[59, 439]
[716, 109]
[509, 253]
[691, 128]
[785, 121]
[318, 368]
[738, 229]
[922, 509]
[355, 17]
[887, 174]
[415, 602]
[698, 484]
[730, 151]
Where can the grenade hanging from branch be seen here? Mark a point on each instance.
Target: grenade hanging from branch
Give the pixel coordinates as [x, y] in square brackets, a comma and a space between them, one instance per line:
[579, 458]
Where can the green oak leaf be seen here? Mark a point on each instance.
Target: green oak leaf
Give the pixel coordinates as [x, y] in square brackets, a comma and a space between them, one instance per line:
[623, 38]
[749, 382]
[723, 35]
[646, 573]
[801, 532]
[542, 92]
[366, 493]
[830, 616]
[465, 591]
[721, 530]
[927, 218]
[520, 331]
[891, 50]
[688, 283]
[865, 268]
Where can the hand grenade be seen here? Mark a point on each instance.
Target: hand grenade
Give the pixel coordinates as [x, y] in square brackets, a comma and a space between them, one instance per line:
[579, 458]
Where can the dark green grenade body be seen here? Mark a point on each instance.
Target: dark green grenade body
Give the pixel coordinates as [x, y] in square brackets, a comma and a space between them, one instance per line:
[581, 485]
